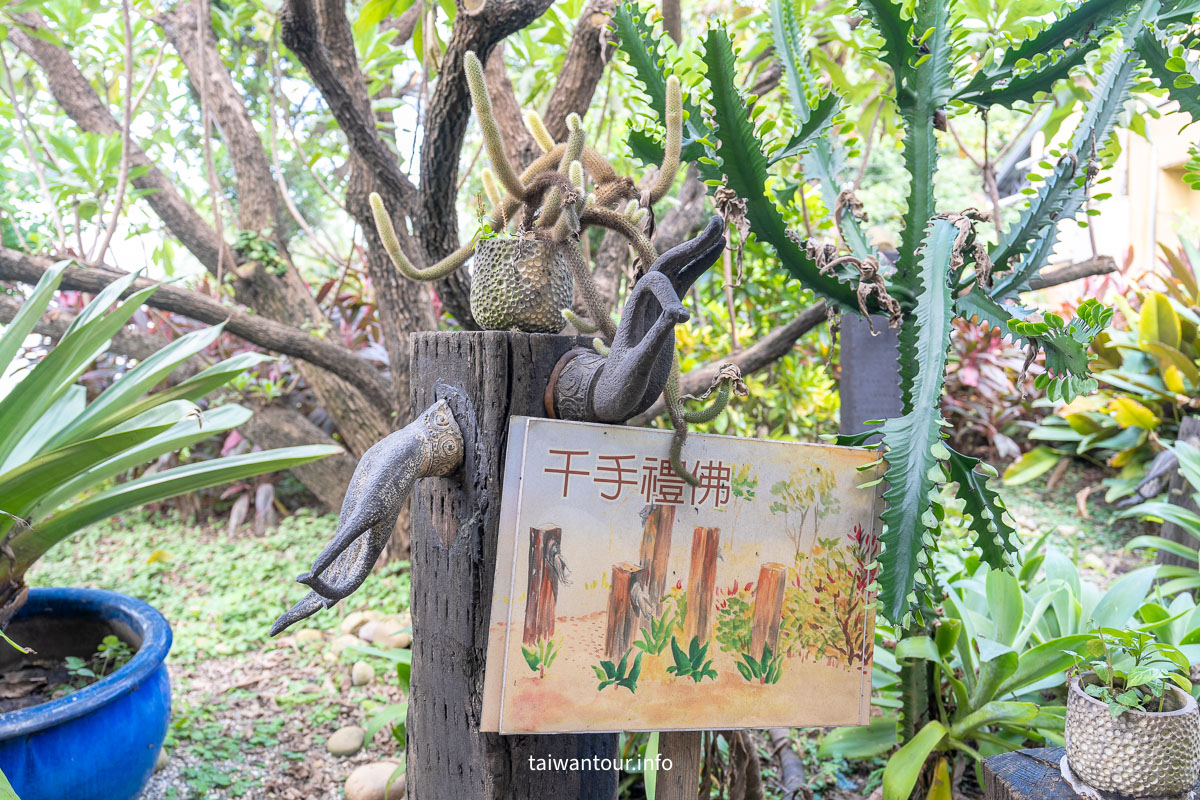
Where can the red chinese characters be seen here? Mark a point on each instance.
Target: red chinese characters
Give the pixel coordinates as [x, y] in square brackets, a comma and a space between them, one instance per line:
[615, 476]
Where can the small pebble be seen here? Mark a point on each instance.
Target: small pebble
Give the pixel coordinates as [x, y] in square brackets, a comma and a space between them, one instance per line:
[346, 741]
[370, 782]
[353, 622]
[342, 642]
[368, 631]
[308, 636]
[399, 641]
[362, 674]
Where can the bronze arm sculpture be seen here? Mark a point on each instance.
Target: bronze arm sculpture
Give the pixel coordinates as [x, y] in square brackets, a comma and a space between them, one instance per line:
[585, 386]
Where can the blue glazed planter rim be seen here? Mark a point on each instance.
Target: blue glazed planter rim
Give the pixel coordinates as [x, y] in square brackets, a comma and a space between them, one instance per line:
[143, 618]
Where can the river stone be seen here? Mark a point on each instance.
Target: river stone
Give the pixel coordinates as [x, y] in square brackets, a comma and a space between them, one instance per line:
[398, 641]
[362, 674]
[346, 741]
[368, 631]
[345, 640]
[308, 636]
[370, 782]
[354, 621]
[162, 759]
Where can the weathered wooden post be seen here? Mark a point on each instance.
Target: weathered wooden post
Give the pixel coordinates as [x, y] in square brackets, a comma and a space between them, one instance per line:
[768, 608]
[543, 584]
[702, 583]
[656, 549]
[485, 377]
[1179, 492]
[623, 617]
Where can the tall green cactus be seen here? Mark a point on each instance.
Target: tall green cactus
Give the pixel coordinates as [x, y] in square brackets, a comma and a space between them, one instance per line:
[941, 271]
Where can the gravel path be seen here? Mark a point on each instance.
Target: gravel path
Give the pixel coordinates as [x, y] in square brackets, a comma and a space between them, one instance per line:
[255, 726]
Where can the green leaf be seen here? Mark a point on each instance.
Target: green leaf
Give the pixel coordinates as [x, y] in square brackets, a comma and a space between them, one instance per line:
[54, 374]
[1040, 662]
[29, 314]
[1123, 598]
[917, 647]
[1153, 49]
[30, 544]
[886, 17]
[1006, 605]
[984, 508]
[993, 672]
[911, 439]
[384, 718]
[1032, 465]
[993, 713]
[904, 767]
[875, 738]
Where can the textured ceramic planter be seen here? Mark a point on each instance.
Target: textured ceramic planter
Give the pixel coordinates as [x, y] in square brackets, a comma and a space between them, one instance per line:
[521, 284]
[1138, 754]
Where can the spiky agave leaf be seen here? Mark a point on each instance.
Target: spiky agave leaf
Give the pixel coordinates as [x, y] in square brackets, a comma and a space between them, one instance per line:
[985, 509]
[1170, 66]
[1052, 52]
[1025, 247]
[738, 155]
[640, 43]
[913, 442]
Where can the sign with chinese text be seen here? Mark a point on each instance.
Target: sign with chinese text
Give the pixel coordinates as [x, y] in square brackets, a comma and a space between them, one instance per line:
[627, 599]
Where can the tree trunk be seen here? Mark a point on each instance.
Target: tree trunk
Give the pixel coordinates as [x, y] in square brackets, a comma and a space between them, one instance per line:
[870, 384]
[486, 376]
[623, 618]
[702, 583]
[655, 552]
[768, 607]
[542, 595]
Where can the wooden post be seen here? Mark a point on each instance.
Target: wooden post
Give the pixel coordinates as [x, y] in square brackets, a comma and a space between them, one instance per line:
[656, 549]
[768, 608]
[1031, 775]
[542, 594]
[623, 619]
[682, 780]
[702, 584]
[1179, 492]
[485, 376]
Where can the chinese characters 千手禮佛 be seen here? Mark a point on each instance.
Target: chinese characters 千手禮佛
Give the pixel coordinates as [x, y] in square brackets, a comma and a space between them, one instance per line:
[656, 481]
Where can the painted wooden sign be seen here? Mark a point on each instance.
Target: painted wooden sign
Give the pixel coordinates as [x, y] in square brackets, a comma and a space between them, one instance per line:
[626, 599]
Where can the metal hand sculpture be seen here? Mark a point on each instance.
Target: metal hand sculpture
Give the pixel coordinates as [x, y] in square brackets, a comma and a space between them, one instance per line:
[429, 446]
[592, 387]
[595, 388]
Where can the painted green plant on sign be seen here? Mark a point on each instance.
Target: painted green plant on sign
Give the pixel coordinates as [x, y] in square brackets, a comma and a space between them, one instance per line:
[694, 663]
[768, 668]
[657, 635]
[541, 656]
[620, 674]
[944, 269]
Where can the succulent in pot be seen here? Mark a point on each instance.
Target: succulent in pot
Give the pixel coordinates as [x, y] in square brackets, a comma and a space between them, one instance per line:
[1132, 726]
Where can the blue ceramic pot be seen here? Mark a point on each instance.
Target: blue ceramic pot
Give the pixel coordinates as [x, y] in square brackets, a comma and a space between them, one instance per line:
[99, 743]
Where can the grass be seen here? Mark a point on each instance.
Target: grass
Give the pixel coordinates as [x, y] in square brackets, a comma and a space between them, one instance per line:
[220, 594]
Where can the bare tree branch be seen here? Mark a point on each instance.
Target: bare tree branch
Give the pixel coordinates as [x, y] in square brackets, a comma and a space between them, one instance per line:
[253, 328]
[588, 52]
[1101, 265]
[300, 30]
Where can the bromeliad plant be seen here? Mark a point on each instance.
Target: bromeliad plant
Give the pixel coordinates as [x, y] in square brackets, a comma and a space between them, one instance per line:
[693, 663]
[541, 656]
[61, 457]
[621, 673]
[943, 270]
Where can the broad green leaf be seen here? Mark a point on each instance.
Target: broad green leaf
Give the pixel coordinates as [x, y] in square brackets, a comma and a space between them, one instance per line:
[29, 544]
[993, 713]
[1124, 598]
[29, 314]
[1032, 465]
[877, 737]
[1158, 323]
[1006, 604]
[1046, 659]
[904, 767]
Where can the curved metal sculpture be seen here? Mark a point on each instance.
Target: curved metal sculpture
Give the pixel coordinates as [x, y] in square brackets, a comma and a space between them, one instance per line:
[585, 386]
[590, 387]
[429, 446]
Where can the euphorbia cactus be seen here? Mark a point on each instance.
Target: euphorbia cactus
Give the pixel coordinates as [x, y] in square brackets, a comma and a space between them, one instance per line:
[942, 270]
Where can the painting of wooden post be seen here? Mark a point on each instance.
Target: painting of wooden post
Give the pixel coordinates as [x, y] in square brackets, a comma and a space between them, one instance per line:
[768, 608]
[542, 594]
[623, 618]
[656, 549]
[702, 583]
[486, 377]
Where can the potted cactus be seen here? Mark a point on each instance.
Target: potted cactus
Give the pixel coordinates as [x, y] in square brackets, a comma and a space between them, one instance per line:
[1132, 726]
